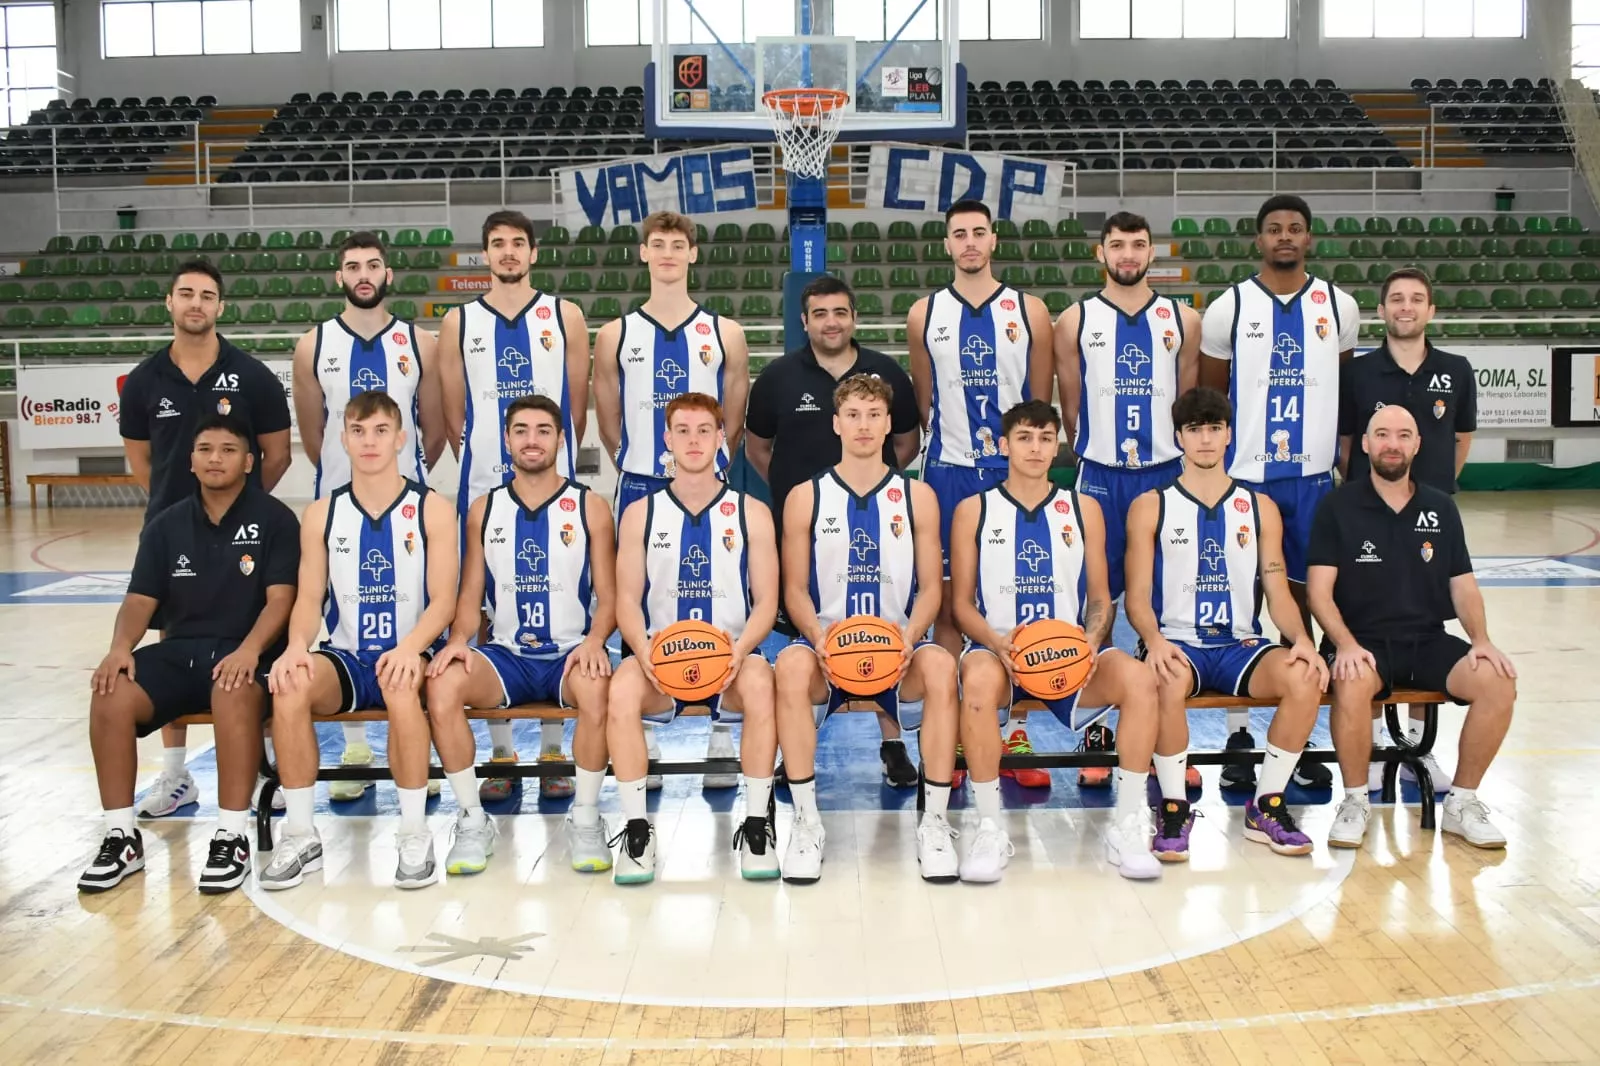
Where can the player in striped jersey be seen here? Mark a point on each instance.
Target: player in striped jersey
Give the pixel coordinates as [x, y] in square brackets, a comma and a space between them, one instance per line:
[541, 547]
[511, 341]
[1275, 344]
[1202, 553]
[380, 556]
[1022, 551]
[860, 538]
[365, 347]
[695, 549]
[668, 346]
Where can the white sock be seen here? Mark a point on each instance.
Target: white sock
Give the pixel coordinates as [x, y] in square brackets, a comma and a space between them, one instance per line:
[1130, 790]
[1462, 795]
[1170, 772]
[586, 797]
[1238, 718]
[935, 799]
[986, 797]
[413, 809]
[235, 823]
[121, 818]
[550, 735]
[1276, 770]
[464, 787]
[500, 737]
[804, 794]
[270, 752]
[633, 799]
[757, 796]
[172, 759]
[1359, 794]
[355, 734]
[1017, 724]
[297, 804]
[1380, 732]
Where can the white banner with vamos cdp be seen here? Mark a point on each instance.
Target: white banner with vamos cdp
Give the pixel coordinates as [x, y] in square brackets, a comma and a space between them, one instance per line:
[928, 180]
[77, 406]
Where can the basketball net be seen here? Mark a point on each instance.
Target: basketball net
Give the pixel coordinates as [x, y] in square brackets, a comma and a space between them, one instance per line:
[806, 122]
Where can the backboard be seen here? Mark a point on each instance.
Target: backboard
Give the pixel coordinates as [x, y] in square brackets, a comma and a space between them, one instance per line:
[713, 59]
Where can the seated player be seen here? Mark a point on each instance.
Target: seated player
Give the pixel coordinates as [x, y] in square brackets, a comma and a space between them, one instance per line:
[380, 555]
[695, 550]
[1201, 554]
[220, 566]
[1025, 550]
[863, 539]
[541, 545]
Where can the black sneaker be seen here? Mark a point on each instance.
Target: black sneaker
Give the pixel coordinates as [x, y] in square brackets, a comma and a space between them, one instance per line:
[756, 840]
[227, 864]
[636, 860]
[119, 856]
[1310, 774]
[1096, 738]
[1240, 778]
[898, 771]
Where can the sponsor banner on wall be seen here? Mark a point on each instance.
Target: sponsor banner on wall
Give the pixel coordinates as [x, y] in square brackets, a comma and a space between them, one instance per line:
[464, 283]
[77, 406]
[929, 180]
[700, 182]
[1513, 385]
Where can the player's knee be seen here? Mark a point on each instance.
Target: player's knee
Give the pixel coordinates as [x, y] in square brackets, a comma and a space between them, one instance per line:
[794, 671]
[245, 700]
[444, 691]
[116, 708]
[589, 696]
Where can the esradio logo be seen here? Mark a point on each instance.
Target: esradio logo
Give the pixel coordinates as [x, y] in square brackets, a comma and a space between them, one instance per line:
[58, 410]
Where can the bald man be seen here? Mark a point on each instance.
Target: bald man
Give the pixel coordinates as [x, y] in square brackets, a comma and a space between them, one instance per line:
[1388, 567]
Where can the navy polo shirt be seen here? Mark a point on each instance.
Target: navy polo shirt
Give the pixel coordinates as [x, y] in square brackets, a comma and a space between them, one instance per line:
[1442, 396]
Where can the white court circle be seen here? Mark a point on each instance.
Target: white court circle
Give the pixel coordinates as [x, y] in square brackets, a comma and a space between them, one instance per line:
[870, 932]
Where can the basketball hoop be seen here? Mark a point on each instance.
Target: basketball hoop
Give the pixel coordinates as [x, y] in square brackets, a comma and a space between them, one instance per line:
[805, 122]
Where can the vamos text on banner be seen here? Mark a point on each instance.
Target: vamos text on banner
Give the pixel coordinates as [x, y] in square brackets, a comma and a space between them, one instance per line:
[928, 180]
[700, 182]
[77, 407]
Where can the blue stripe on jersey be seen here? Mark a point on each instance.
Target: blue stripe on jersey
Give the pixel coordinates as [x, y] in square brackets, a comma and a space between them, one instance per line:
[694, 569]
[1035, 572]
[1084, 402]
[669, 375]
[464, 493]
[376, 614]
[533, 578]
[1156, 582]
[980, 373]
[513, 341]
[1135, 377]
[864, 577]
[1212, 595]
[1286, 380]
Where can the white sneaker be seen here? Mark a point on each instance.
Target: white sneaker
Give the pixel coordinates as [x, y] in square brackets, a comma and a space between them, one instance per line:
[1349, 823]
[802, 860]
[416, 867]
[1469, 820]
[278, 802]
[292, 858]
[1441, 777]
[1128, 845]
[636, 859]
[472, 843]
[349, 791]
[167, 793]
[986, 859]
[721, 747]
[652, 747]
[936, 849]
[587, 845]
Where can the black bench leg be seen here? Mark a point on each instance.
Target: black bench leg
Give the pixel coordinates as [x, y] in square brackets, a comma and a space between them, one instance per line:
[1391, 769]
[269, 789]
[922, 793]
[1424, 745]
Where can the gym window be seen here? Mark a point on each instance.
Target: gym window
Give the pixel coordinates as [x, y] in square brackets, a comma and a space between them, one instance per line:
[1426, 18]
[141, 28]
[417, 25]
[1586, 42]
[28, 39]
[633, 22]
[1127, 20]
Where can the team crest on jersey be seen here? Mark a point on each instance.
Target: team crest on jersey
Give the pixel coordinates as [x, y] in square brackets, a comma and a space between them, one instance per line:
[408, 511]
[569, 504]
[1322, 329]
[1249, 642]
[895, 495]
[728, 507]
[546, 341]
[702, 329]
[411, 543]
[1438, 409]
[1243, 536]
[1427, 551]
[1063, 507]
[1169, 340]
[1162, 312]
[402, 363]
[705, 355]
[1319, 297]
[567, 535]
[1067, 535]
[1012, 332]
[542, 312]
[729, 539]
[897, 525]
[247, 565]
[1008, 304]
[224, 406]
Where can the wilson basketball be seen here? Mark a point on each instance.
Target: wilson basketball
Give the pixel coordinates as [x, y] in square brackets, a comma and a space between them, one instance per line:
[864, 654]
[691, 660]
[1052, 659]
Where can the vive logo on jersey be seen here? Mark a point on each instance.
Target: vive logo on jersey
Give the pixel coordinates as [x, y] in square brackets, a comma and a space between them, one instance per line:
[863, 545]
[997, 536]
[341, 546]
[1032, 554]
[181, 568]
[670, 373]
[1178, 539]
[634, 356]
[498, 536]
[513, 361]
[695, 560]
[477, 347]
[1369, 553]
[1133, 358]
[376, 563]
[1254, 332]
[366, 380]
[1096, 342]
[249, 533]
[1211, 554]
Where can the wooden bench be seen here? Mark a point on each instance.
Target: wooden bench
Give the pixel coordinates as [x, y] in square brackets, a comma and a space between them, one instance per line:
[1402, 753]
[50, 481]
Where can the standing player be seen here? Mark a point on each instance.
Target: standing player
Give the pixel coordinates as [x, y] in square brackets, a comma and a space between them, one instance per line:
[860, 539]
[978, 348]
[365, 347]
[380, 556]
[541, 547]
[1022, 551]
[1122, 357]
[1201, 554]
[512, 341]
[668, 347]
[1276, 344]
[695, 549]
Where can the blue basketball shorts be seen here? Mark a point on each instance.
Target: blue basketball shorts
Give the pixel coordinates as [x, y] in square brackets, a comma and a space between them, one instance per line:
[525, 678]
[951, 485]
[358, 678]
[1225, 668]
[1297, 499]
[631, 487]
[1115, 489]
[907, 712]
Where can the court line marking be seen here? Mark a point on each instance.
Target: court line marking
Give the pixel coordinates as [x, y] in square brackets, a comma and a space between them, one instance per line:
[1188, 1027]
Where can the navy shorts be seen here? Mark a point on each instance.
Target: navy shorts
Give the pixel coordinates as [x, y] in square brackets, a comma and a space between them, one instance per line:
[1297, 499]
[1115, 489]
[951, 485]
[525, 678]
[1422, 662]
[907, 712]
[358, 679]
[1225, 668]
[631, 487]
[176, 675]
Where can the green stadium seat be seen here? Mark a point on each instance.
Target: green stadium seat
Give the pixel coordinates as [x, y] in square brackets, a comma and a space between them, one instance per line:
[154, 242]
[1043, 252]
[1525, 328]
[1373, 330]
[328, 309]
[1517, 273]
[278, 288]
[866, 253]
[181, 242]
[1537, 224]
[245, 241]
[1561, 248]
[721, 280]
[938, 276]
[555, 235]
[164, 265]
[19, 318]
[1069, 229]
[280, 239]
[728, 233]
[1409, 225]
[230, 315]
[1345, 226]
[156, 315]
[903, 278]
[263, 263]
[1234, 249]
[405, 310]
[1395, 248]
[1553, 273]
[903, 303]
[934, 252]
[1575, 299]
[1366, 299]
[1430, 248]
[1378, 227]
[723, 255]
[1440, 226]
[1483, 273]
[606, 308]
[1528, 248]
[97, 267]
[1471, 300]
[128, 266]
[836, 233]
[296, 312]
[309, 240]
[1505, 225]
[89, 244]
[624, 234]
[237, 290]
[399, 259]
[1210, 274]
[295, 261]
[1541, 299]
[555, 258]
[408, 238]
[66, 268]
[900, 252]
[1018, 277]
[338, 237]
[722, 305]
[1473, 226]
[1050, 276]
[1460, 329]
[870, 304]
[410, 285]
[1506, 300]
[1185, 227]
[1564, 327]
[122, 244]
[619, 255]
[1324, 271]
[1497, 329]
[428, 259]
[1495, 247]
[1569, 225]
[439, 237]
[1006, 229]
[1584, 270]
[1008, 252]
[34, 268]
[932, 230]
[1364, 248]
[109, 291]
[758, 254]
[756, 306]
[1331, 249]
[1056, 301]
[1346, 274]
[576, 281]
[758, 278]
[865, 231]
[78, 291]
[231, 263]
[582, 256]
[44, 292]
[1376, 272]
[1444, 299]
[53, 316]
[1194, 250]
[1034, 229]
[313, 285]
[1217, 227]
[58, 245]
[591, 235]
[11, 292]
[866, 278]
[260, 315]
[1087, 276]
[763, 231]
[1241, 272]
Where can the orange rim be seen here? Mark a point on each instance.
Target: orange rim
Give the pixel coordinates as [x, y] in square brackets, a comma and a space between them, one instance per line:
[805, 102]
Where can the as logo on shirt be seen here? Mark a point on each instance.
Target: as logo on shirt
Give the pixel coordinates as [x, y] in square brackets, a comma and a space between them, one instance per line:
[247, 565]
[181, 567]
[226, 383]
[249, 533]
[1427, 522]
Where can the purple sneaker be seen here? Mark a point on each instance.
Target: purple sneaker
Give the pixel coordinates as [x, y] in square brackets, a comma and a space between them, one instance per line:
[1175, 818]
[1267, 821]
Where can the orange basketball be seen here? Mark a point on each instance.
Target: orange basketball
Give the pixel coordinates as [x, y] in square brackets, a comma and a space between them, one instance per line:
[864, 654]
[690, 660]
[1052, 659]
